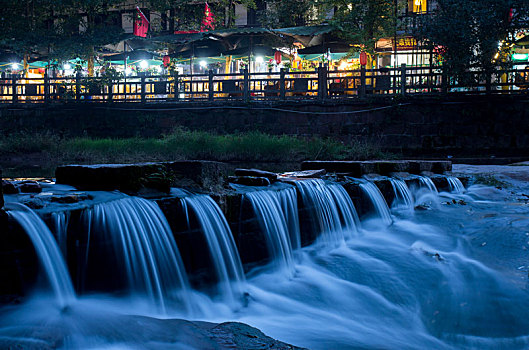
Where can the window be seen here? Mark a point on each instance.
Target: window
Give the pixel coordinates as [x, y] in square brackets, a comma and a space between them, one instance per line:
[417, 6]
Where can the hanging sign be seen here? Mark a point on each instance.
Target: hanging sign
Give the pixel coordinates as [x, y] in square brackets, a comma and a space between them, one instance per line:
[363, 58]
[406, 43]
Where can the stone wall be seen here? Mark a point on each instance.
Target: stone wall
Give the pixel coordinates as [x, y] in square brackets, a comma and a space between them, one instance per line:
[477, 126]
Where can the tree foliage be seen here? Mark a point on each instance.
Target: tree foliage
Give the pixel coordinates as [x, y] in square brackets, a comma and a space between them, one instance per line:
[282, 14]
[473, 34]
[362, 22]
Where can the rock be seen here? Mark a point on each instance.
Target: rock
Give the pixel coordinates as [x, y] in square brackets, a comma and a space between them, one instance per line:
[70, 198]
[429, 166]
[29, 187]
[353, 168]
[8, 187]
[1, 191]
[256, 173]
[306, 174]
[131, 178]
[249, 180]
[382, 167]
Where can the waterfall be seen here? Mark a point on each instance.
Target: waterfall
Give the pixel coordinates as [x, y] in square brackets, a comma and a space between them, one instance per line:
[333, 209]
[224, 254]
[455, 185]
[379, 203]
[426, 182]
[289, 203]
[267, 207]
[143, 241]
[60, 221]
[403, 197]
[47, 251]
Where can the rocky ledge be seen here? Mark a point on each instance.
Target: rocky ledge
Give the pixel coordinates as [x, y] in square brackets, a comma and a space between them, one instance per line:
[142, 332]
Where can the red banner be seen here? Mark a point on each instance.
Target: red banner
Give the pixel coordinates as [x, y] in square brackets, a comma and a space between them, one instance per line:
[141, 24]
[208, 21]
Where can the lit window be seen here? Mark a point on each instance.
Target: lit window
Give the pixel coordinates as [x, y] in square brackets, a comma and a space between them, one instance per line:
[417, 6]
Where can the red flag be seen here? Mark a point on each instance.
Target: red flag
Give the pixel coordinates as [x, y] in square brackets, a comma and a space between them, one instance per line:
[141, 24]
[208, 21]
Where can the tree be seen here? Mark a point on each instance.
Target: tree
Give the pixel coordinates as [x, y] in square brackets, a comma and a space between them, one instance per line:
[362, 22]
[187, 15]
[282, 14]
[473, 34]
[83, 25]
[26, 26]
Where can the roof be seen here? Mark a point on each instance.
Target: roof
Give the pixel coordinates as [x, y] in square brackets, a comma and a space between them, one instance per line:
[306, 30]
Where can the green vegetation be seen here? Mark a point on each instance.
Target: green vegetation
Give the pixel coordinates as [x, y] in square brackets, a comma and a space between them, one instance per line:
[49, 149]
[490, 180]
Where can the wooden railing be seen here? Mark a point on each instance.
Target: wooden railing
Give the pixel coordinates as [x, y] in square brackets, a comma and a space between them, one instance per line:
[319, 84]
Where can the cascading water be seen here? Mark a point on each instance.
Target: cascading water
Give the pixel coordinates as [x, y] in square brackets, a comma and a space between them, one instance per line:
[426, 182]
[288, 198]
[225, 256]
[60, 221]
[143, 241]
[443, 279]
[267, 207]
[47, 251]
[403, 197]
[379, 203]
[455, 185]
[333, 209]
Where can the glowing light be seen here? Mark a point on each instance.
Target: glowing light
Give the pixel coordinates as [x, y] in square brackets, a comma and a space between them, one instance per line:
[128, 71]
[15, 66]
[67, 66]
[259, 59]
[159, 69]
[144, 64]
[520, 56]
[203, 64]
[343, 66]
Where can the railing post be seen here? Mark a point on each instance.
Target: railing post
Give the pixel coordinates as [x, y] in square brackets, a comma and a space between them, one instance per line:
[210, 85]
[403, 79]
[14, 87]
[46, 87]
[143, 88]
[282, 92]
[176, 87]
[322, 82]
[362, 81]
[444, 81]
[246, 93]
[77, 86]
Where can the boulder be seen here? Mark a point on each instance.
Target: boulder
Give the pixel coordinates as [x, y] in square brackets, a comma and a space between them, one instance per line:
[256, 173]
[29, 187]
[249, 180]
[8, 187]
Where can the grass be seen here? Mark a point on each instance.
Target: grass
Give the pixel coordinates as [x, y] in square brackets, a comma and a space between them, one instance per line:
[50, 150]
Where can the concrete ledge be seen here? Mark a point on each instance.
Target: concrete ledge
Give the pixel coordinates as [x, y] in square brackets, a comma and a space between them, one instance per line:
[359, 168]
[204, 175]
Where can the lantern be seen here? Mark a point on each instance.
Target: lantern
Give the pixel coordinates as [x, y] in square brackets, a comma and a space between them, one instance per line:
[278, 57]
[166, 61]
[363, 58]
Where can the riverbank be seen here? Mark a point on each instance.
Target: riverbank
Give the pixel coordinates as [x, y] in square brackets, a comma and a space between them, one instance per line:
[38, 154]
